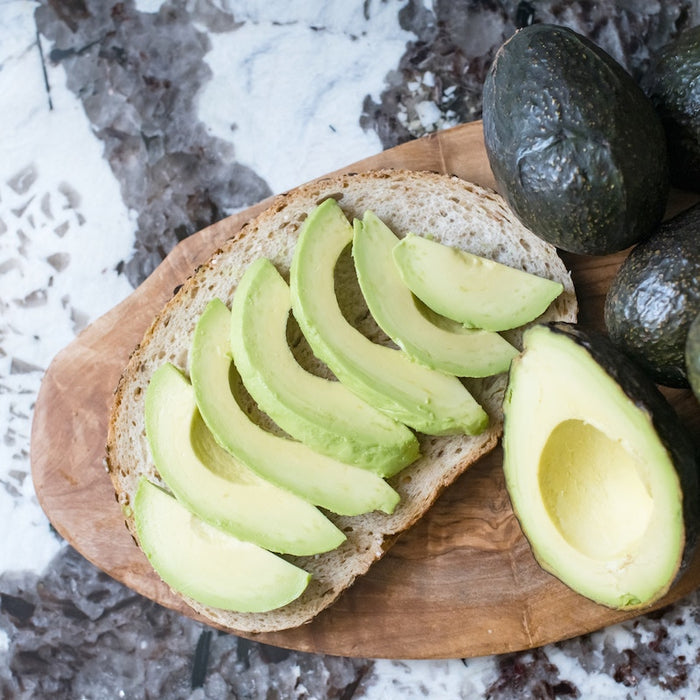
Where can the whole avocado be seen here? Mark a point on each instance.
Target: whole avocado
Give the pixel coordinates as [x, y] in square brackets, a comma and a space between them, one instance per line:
[655, 296]
[673, 85]
[576, 148]
[692, 356]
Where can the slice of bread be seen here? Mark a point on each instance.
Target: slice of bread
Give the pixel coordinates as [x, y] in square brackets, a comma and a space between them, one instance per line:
[449, 209]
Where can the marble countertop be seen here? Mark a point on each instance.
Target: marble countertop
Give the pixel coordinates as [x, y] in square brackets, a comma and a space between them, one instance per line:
[127, 126]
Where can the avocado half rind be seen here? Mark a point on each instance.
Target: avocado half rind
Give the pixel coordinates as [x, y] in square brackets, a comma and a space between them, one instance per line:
[575, 146]
[654, 297]
[602, 476]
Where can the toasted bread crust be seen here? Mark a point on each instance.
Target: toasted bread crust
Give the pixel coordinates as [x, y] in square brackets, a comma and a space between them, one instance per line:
[451, 210]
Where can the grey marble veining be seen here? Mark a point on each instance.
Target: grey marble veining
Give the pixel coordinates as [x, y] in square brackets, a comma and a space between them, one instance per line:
[77, 633]
[137, 75]
[135, 124]
[445, 65]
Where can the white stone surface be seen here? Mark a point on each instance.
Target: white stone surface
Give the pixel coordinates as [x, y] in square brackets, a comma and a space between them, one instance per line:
[287, 85]
[63, 230]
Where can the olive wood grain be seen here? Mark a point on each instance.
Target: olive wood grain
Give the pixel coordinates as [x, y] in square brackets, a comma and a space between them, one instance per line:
[462, 582]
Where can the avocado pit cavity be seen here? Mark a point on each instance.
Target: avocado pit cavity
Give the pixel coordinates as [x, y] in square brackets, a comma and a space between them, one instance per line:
[593, 491]
[600, 472]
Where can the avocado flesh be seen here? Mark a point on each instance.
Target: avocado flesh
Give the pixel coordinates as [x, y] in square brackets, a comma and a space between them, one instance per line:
[338, 487]
[209, 565]
[218, 488]
[427, 400]
[472, 290]
[437, 343]
[595, 486]
[321, 413]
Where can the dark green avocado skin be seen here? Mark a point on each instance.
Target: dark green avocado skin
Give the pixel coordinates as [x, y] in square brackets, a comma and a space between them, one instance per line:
[673, 85]
[576, 148]
[654, 297]
[642, 391]
[692, 356]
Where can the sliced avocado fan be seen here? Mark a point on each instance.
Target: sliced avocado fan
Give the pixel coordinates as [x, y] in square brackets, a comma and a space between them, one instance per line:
[209, 565]
[472, 290]
[432, 340]
[600, 472]
[228, 494]
[425, 399]
[324, 481]
[321, 413]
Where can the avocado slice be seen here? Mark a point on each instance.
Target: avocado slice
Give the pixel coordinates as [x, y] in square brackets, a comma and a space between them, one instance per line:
[692, 356]
[654, 297]
[429, 401]
[207, 564]
[321, 413]
[218, 488]
[599, 469]
[472, 290]
[432, 340]
[338, 487]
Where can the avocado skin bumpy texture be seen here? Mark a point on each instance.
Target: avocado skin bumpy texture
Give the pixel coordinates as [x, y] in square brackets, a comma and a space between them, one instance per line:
[672, 83]
[654, 297]
[692, 356]
[576, 148]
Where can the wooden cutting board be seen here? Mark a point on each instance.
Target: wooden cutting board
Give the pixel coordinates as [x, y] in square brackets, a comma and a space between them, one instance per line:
[461, 583]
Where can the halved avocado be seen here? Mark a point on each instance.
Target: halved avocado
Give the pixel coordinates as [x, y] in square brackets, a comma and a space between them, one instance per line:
[207, 564]
[600, 472]
[432, 340]
[341, 488]
[472, 290]
[217, 487]
[425, 399]
[321, 413]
